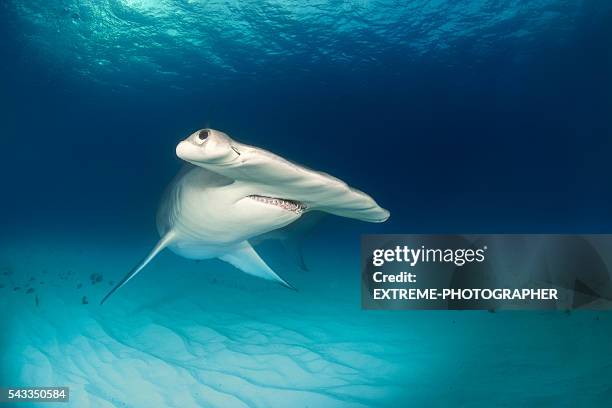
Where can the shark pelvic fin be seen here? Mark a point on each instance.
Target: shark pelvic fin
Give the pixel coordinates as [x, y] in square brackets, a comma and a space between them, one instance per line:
[163, 243]
[248, 261]
[293, 247]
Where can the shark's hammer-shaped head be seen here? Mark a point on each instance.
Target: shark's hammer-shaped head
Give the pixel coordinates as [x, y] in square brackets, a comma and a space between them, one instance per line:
[208, 146]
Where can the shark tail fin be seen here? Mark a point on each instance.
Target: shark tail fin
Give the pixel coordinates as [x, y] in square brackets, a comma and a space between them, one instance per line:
[163, 243]
[248, 261]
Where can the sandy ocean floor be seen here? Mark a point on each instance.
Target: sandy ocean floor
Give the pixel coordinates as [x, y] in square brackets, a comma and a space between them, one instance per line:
[187, 334]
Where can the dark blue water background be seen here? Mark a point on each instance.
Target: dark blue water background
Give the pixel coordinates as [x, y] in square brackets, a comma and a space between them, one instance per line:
[466, 117]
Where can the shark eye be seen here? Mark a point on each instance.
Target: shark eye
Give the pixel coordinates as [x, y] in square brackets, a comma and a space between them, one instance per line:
[203, 135]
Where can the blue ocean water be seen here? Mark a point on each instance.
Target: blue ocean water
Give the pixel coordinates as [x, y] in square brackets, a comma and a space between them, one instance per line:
[463, 116]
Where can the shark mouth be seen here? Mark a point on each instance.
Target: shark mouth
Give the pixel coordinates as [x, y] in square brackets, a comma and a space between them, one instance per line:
[289, 205]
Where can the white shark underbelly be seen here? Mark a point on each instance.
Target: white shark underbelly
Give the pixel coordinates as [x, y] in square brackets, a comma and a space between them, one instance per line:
[210, 214]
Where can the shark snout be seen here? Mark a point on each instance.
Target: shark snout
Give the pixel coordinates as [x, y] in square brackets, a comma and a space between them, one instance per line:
[186, 150]
[207, 147]
[192, 147]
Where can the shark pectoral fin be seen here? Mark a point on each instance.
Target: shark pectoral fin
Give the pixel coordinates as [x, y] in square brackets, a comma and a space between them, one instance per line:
[163, 242]
[248, 261]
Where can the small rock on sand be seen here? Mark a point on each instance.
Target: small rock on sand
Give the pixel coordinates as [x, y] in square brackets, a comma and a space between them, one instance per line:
[95, 278]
